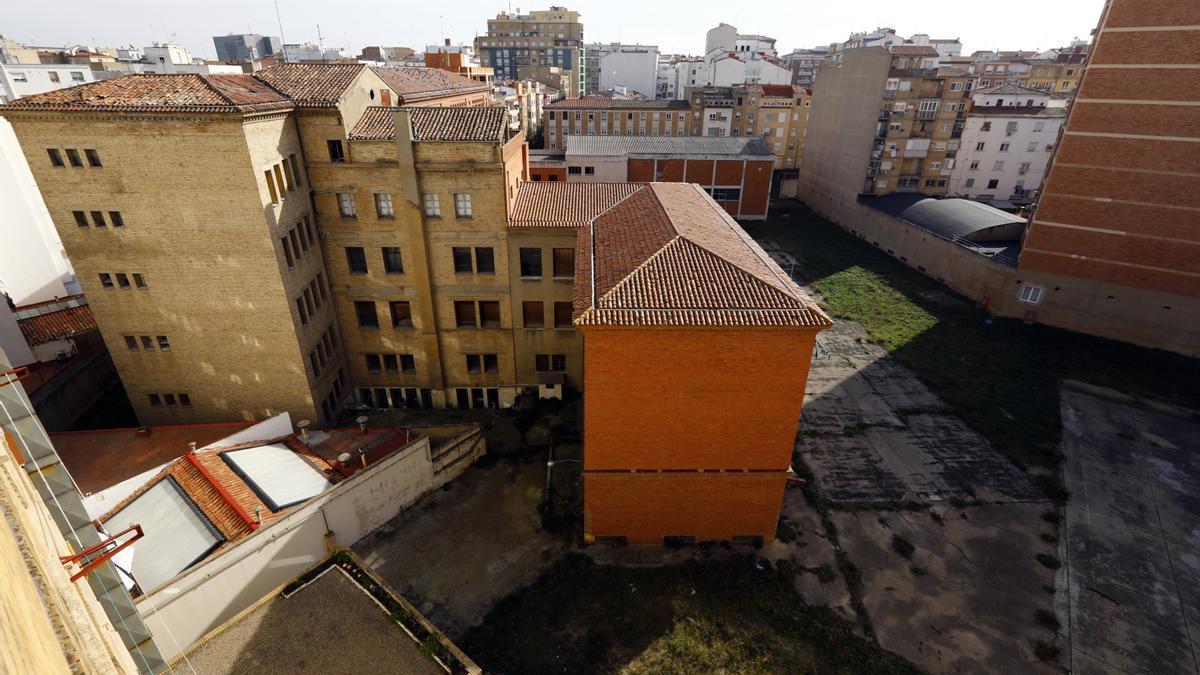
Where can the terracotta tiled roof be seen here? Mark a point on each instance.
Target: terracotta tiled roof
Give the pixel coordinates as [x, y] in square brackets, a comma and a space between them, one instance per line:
[670, 256]
[462, 124]
[57, 325]
[416, 83]
[312, 85]
[565, 204]
[913, 50]
[459, 124]
[162, 93]
[605, 103]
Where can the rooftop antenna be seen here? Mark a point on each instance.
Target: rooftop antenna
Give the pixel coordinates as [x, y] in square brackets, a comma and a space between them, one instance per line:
[280, 21]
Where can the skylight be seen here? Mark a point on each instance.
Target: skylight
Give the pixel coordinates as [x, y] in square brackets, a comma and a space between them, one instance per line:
[277, 474]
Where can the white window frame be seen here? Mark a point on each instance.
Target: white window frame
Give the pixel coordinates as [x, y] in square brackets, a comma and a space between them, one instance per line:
[462, 205]
[1031, 294]
[433, 207]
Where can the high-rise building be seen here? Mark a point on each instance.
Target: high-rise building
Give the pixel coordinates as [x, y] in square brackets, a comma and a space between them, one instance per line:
[895, 134]
[246, 47]
[552, 37]
[803, 64]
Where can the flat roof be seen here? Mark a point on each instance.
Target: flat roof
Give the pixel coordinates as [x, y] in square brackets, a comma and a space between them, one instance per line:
[616, 146]
[329, 625]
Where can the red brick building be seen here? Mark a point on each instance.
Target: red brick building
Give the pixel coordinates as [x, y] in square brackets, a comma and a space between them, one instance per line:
[696, 352]
[734, 171]
[1118, 223]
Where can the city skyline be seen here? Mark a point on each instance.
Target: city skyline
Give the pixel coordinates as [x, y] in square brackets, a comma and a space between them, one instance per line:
[359, 24]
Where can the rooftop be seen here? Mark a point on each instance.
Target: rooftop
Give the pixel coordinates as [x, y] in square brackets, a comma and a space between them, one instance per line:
[1017, 90]
[605, 103]
[312, 85]
[913, 50]
[417, 82]
[565, 204]
[973, 225]
[463, 124]
[667, 145]
[668, 255]
[55, 320]
[292, 634]
[162, 93]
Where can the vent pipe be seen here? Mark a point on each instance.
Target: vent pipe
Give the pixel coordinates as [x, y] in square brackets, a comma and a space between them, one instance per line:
[362, 424]
[303, 426]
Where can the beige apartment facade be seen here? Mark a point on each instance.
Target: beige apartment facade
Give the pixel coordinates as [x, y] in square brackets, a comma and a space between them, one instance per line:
[603, 116]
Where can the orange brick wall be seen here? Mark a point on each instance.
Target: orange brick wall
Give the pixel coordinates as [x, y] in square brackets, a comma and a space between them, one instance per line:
[645, 507]
[690, 398]
[1119, 201]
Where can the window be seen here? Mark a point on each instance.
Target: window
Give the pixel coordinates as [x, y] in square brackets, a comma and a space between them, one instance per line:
[346, 205]
[531, 262]
[336, 153]
[98, 219]
[131, 343]
[574, 170]
[401, 314]
[485, 260]
[998, 165]
[106, 280]
[383, 205]
[155, 401]
[164, 345]
[1031, 293]
[93, 158]
[76, 76]
[464, 314]
[390, 363]
[974, 165]
[562, 315]
[462, 259]
[289, 172]
[407, 363]
[970, 182]
[123, 280]
[589, 170]
[1004, 147]
[147, 343]
[185, 400]
[287, 251]
[55, 157]
[432, 208]
[550, 362]
[532, 315]
[271, 190]
[169, 400]
[991, 185]
[53, 76]
[462, 205]
[374, 365]
[473, 363]
[564, 263]
[979, 146]
[80, 218]
[393, 263]
[365, 311]
[1039, 126]
[303, 312]
[726, 194]
[19, 77]
[356, 260]
[986, 126]
[489, 314]
[117, 220]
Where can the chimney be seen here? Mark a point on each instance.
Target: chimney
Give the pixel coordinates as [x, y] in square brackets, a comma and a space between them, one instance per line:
[362, 424]
[447, 42]
[303, 426]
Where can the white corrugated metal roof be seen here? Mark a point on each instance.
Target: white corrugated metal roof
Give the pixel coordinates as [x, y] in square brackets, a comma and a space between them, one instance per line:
[277, 474]
[175, 535]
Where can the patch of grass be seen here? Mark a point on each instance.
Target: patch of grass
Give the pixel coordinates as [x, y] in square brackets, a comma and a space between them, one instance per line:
[825, 574]
[990, 371]
[1045, 651]
[903, 546]
[698, 617]
[1046, 619]
[1049, 561]
[1049, 538]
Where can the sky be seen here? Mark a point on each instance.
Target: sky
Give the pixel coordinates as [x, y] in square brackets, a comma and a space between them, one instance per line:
[676, 26]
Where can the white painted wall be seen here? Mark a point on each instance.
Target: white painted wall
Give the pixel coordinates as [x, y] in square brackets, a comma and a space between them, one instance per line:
[33, 265]
[632, 66]
[607, 168]
[200, 599]
[12, 342]
[17, 80]
[1026, 144]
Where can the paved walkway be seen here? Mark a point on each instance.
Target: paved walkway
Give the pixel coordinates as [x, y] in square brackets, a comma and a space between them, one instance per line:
[1133, 536]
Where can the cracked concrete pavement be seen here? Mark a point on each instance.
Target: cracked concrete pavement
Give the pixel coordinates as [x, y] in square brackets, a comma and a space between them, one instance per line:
[1130, 589]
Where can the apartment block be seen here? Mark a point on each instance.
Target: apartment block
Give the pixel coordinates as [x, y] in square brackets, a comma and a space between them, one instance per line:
[803, 63]
[1006, 145]
[887, 119]
[605, 116]
[612, 65]
[777, 113]
[552, 37]
[669, 291]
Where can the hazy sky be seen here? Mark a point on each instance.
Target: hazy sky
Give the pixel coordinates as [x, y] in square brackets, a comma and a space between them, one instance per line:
[676, 26]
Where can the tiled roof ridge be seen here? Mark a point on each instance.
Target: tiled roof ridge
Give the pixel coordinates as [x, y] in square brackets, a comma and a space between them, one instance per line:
[630, 278]
[786, 285]
[591, 224]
